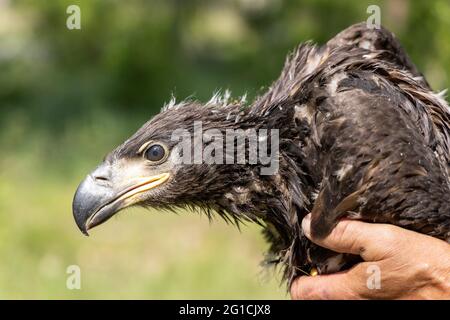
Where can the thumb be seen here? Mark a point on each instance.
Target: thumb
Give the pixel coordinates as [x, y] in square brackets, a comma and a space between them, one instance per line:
[348, 284]
[369, 240]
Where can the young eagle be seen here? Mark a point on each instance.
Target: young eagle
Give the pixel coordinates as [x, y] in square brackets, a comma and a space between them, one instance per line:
[360, 135]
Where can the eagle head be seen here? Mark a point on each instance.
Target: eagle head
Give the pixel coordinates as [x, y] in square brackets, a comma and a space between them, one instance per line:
[177, 159]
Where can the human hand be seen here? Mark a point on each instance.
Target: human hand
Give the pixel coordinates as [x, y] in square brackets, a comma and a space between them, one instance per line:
[410, 265]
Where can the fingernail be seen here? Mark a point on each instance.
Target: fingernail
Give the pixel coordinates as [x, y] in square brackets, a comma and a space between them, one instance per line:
[306, 225]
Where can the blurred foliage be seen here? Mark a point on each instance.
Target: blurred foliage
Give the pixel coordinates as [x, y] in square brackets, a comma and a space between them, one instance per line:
[67, 97]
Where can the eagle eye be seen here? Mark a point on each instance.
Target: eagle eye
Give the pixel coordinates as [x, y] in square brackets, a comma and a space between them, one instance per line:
[155, 153]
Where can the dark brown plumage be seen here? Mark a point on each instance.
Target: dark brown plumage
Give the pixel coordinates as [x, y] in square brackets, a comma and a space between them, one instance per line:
[361, 134]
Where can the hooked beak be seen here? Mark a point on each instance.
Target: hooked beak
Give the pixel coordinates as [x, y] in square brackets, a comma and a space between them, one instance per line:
[100, 196]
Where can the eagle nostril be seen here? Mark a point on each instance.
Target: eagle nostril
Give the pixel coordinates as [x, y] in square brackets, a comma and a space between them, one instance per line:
[102, 174]
[101, 178]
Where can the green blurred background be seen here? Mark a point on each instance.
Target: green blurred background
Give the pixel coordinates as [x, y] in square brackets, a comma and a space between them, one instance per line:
[67, 97]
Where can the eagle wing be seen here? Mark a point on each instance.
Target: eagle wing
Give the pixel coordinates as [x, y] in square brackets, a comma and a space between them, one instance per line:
[374, 139]
[373, 39]
[307, 58]
[379, 143]
[374, 162]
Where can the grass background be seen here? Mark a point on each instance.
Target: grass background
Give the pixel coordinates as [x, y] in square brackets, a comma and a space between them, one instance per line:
[138, 254]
